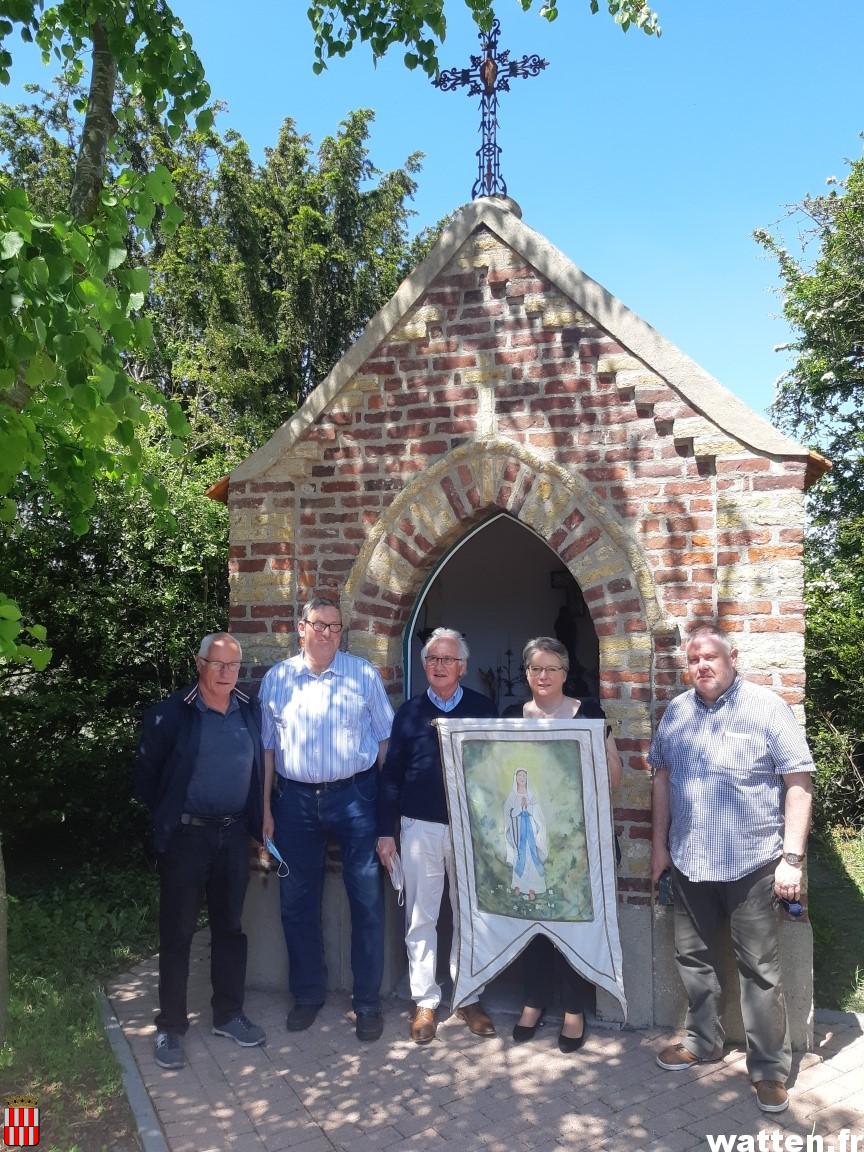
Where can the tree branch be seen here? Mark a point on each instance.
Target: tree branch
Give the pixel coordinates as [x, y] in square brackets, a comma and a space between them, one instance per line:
[99, 125]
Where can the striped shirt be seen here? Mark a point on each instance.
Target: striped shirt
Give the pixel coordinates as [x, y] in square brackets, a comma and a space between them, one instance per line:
[324, 727]
[726, 761]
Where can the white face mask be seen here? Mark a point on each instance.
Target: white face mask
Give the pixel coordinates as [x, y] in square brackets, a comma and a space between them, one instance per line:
[397, 877]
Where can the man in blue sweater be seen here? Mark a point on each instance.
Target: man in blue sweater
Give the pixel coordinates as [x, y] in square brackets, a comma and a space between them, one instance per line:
[412, 794]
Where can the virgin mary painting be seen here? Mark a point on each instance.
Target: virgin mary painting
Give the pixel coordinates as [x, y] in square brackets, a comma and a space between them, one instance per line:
[525, 837]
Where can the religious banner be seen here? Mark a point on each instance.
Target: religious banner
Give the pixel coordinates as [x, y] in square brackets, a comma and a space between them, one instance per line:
[533, 846]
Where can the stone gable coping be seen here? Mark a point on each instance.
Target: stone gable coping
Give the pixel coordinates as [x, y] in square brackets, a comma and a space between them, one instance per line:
[648, 350]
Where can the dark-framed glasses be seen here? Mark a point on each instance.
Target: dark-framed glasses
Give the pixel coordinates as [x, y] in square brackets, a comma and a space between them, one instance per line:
[321, 627]
[223, 665]
[443, 661]
[544, 670]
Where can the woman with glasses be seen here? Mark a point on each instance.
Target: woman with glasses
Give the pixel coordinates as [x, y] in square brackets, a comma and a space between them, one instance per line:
[546, 665]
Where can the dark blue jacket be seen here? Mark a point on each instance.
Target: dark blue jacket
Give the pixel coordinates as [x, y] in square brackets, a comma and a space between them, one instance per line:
[167, 750]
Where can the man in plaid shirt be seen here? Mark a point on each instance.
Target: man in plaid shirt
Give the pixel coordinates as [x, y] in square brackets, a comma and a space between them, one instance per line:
[731, 814]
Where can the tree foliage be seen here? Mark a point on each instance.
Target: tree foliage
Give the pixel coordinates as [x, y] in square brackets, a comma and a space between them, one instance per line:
[821, 401]
[264, 282]
[421, 25]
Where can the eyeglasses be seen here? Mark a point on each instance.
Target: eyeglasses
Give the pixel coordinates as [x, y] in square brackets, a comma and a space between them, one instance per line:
[223, 665]
[444, 661]
[537, 670]
[321, 627]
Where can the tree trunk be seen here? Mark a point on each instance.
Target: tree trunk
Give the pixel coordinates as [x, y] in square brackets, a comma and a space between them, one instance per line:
[4, 954]
[98, 128]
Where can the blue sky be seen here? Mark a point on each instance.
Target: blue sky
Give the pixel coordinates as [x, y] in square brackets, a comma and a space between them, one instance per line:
[647, 162]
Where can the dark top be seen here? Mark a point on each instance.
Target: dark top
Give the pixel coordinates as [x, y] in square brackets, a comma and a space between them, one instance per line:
[590, 708]
[412, 780]
[168, 753]
[220, 780]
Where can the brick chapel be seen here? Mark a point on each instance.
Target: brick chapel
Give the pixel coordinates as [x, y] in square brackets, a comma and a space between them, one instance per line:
[509, 450]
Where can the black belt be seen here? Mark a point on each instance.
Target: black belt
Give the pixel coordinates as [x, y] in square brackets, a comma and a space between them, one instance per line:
[210, 821]
[325, 785]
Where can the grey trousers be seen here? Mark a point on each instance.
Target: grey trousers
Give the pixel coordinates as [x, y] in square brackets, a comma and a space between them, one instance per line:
[701, 909]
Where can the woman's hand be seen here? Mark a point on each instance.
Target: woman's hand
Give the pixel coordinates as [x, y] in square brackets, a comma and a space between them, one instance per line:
[386, 851]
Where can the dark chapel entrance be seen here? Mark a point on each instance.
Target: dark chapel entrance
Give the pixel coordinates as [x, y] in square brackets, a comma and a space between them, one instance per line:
[500, 585]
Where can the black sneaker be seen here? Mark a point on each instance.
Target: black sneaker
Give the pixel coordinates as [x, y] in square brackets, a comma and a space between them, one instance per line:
[168, 1051]
[369, 1025]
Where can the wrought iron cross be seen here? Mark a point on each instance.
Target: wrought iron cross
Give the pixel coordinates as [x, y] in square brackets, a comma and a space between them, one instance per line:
[488, 75]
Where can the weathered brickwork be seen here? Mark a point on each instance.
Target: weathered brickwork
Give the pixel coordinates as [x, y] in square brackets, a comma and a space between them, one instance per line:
[496, 392]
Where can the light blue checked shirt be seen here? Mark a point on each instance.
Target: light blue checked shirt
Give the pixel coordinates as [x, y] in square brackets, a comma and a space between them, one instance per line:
[726, 762]
[324, 727]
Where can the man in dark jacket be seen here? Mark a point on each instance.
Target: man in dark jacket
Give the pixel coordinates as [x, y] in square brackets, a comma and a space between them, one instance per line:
[199, 770]
[412, 794]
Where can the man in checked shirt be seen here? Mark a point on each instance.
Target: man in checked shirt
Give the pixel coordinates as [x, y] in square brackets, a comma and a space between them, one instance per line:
[731, 814]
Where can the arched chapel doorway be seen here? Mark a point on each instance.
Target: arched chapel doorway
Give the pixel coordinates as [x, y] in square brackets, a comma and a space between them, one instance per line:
[499, 585]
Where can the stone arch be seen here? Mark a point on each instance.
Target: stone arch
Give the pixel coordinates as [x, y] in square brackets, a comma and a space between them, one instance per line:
[429, 515]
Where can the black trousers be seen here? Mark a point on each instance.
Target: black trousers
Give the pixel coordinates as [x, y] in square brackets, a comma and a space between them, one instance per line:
[545, 969]
[211, 862]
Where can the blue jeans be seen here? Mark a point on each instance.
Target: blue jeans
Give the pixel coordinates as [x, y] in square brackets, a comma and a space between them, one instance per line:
[305, 817]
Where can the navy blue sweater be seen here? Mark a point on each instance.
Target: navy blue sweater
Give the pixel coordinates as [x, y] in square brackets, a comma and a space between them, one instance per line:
[412, 781]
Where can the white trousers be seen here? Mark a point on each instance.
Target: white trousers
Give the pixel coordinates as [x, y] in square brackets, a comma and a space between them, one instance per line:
[427, 856]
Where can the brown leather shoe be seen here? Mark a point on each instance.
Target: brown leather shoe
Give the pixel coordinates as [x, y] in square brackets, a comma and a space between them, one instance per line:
[676, 1058]
[424, 1025]
[771, 1096]
[477, 1020]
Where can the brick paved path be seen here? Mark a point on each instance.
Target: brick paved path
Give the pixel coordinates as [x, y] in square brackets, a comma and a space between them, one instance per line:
[321, 1090]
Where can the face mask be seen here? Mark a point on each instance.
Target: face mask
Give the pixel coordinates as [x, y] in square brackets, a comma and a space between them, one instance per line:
[274, 852]
[397, 877]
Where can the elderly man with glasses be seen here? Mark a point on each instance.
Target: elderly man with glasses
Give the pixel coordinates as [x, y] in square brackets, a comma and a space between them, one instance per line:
[326, 720]
[412, 794]
[199, 770]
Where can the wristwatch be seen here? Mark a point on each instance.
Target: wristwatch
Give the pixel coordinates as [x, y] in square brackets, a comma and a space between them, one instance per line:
[793, 858]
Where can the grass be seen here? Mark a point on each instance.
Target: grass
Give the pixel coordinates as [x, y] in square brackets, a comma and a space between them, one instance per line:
[68, 931]
[836, 908]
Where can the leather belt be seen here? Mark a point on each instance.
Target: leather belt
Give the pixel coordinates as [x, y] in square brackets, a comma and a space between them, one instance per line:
[325, 785]
[210, 821]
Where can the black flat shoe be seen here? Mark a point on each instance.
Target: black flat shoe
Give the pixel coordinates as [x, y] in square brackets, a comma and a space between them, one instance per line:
[569, 1044]
[522, 1033]
[301, 1017]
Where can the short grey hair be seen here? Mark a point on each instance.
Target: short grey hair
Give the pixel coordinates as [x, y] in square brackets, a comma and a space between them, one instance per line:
[545, 644]
[212, 637]
[709, 628]
[319, 602]
[446, 634]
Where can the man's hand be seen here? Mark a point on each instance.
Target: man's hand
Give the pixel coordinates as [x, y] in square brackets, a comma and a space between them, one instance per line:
[660, 861]
[787, 880]
[268, 825]
[386, 851]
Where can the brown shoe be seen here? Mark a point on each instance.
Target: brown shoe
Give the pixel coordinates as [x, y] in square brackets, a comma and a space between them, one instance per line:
[424, 1025]
[676, 1058]
[771, 1096]
[477, 1020]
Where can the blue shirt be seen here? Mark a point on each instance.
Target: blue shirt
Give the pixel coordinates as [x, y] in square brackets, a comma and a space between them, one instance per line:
[445, 705]
[220, 779]
[726, 762]
[324, 727]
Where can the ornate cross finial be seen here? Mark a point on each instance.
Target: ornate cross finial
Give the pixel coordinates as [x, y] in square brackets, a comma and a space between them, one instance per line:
[488, 75]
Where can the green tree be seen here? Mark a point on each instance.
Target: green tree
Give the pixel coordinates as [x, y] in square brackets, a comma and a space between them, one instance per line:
[267, 279]
[421, 25]
[821, 401]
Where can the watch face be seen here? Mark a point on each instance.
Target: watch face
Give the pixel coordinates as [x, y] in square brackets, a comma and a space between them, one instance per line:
[792, 857]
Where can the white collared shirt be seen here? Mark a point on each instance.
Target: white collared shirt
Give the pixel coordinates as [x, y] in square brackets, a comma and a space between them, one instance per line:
[324, 727]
